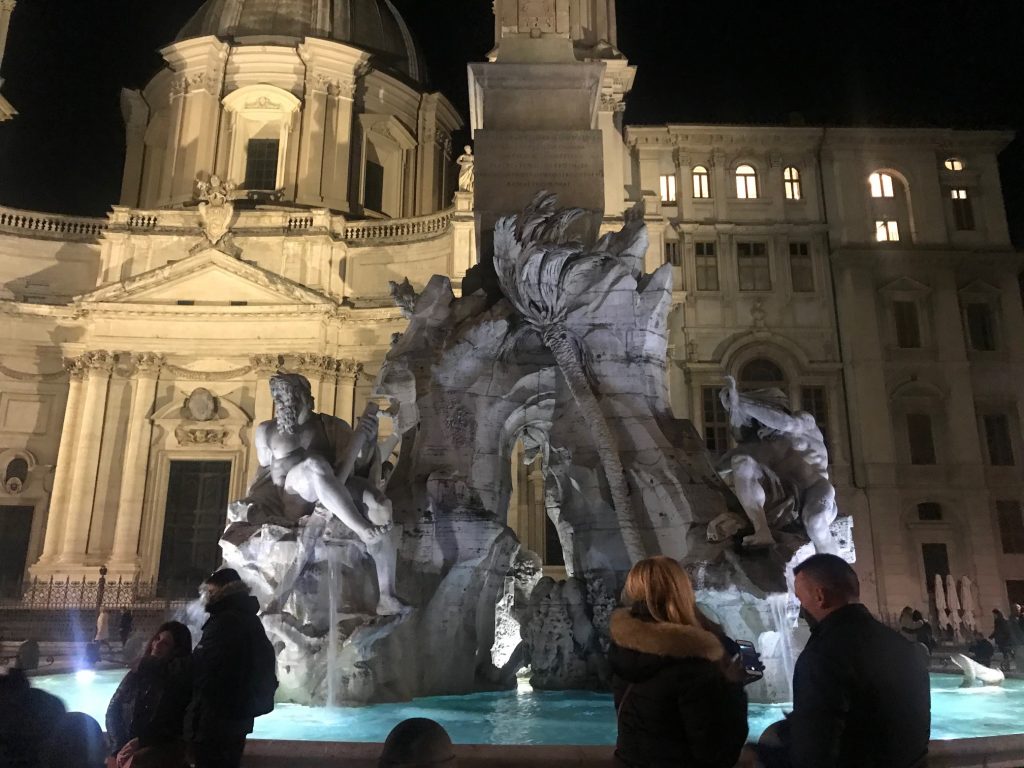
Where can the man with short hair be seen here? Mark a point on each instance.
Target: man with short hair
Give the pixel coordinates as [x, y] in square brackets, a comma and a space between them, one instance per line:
[232, 664]
[861, 695]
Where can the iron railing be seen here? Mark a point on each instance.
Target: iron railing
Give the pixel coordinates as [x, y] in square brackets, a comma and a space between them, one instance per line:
[85, 594]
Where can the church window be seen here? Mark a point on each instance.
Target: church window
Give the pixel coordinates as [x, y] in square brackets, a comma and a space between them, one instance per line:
[954, 164]
[746, 182]
[261, 164]
[921, 438]
[929, 512]
[980, 327]
[373, 186]
[963, 213]
[753, 266]
[791, 180]
[672, 253]
[668, 188]
[1011, 526]
[707, 265]
[997, 439]
[716, 421]
[701, 183]
[762, 374]
[881, 185]
[887, 231]
[801, 268]
[908, 326]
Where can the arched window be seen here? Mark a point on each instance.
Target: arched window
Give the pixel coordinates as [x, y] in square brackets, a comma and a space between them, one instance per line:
[762, 374]
[791, 177]
[746, 182]
[954, 164]
[881, 185]
[701, 184]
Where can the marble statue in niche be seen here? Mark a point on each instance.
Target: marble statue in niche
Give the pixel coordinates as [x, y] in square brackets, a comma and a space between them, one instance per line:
[779, 468]
[467, 173]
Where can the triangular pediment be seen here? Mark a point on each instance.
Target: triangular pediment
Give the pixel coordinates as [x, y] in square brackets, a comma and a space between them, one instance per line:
[209, 277]
[906, 285]
[979, 288]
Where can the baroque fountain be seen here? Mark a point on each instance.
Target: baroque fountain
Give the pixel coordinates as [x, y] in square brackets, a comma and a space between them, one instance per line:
[386, 569]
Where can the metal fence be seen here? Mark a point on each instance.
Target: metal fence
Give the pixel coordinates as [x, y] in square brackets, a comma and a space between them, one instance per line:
[83, 594]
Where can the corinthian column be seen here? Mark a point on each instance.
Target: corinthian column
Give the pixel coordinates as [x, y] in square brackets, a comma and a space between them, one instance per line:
[124, 560]
[87, 457]
[264, 366]
[58, 511]
[345, 399]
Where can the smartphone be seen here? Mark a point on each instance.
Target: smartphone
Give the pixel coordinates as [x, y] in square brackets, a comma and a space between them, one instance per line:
[751, 660]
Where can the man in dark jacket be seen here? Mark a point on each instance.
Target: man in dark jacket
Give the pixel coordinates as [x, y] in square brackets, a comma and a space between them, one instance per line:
[861, 693]
[220, 714]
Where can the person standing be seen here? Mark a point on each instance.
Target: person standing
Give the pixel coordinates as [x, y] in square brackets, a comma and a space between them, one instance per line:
[234, 674]
[861, 695]
[676, 699]
[126, 625]
[1002, 636]
[147, 712]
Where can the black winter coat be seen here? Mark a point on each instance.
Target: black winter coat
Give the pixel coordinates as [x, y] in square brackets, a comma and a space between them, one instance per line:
[675, 705]
[861, 696]
[222, 667]
[149, 704]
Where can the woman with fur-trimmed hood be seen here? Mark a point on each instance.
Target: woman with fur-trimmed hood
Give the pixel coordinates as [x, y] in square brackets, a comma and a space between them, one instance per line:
[676, 704]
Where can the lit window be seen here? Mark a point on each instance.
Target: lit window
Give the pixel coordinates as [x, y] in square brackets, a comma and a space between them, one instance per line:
[922, 441]
[954, 164]
[981, 332]
[746, 183]
[707, 266]
[963, 213]
[791, 177]
[716, 421]
[672, 253]
[668, 189]
[701, 185]
[801, 268]
[1011, 526]
[753, 267]
[997, 440]
[887, 231]
[881, 185]
[908, 327]
[261, 163]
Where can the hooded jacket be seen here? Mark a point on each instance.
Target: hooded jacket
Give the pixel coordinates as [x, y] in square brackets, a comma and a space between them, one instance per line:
[675, 706]
[222, 665]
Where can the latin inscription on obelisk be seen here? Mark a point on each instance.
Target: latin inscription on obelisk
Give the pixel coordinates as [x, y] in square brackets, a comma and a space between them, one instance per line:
[537, 14]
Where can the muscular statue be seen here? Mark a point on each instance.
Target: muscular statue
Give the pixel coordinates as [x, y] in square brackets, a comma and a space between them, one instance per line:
[779, 468]
[309, 459]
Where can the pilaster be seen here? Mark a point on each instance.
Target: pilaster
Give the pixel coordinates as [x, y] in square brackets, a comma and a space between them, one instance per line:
[349, 373]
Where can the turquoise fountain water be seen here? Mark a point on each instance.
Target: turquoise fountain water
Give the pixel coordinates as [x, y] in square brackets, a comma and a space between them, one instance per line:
[526, 716]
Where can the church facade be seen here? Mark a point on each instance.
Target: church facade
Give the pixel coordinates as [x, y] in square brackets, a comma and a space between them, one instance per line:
[867, 273]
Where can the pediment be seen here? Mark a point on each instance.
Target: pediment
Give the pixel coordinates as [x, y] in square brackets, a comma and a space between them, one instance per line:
[209, 277]
[905, 285]
[979, 288]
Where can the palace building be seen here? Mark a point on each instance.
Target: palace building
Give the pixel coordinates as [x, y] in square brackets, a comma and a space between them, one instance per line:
[867, 273]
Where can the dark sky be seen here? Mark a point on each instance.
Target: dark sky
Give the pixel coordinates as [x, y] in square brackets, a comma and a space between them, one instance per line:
[836, 62]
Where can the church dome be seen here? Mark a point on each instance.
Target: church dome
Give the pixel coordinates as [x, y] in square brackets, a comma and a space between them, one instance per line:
[373, 25]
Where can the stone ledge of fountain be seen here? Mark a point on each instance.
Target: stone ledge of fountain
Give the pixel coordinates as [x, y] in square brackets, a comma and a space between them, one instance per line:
[988, 752]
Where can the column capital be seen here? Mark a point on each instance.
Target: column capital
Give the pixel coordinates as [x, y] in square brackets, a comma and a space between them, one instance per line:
[75, 368]
[99, 362]
[320, 366]
[7, 5]
[265, 364]
[350, 369]
[147, 364]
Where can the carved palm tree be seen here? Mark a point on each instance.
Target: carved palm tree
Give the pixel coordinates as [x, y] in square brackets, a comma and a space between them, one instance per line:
[546, 275]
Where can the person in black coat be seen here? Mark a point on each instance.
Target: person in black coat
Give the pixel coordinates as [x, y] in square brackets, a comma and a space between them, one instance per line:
[224, 669]
[676, 703]
[147, 710]
[861, 695]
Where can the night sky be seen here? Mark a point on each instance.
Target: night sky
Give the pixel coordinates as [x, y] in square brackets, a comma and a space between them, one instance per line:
[838, 62]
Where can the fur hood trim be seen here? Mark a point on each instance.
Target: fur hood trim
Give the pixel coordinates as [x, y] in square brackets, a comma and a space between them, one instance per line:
[231, 588]
[660, 638]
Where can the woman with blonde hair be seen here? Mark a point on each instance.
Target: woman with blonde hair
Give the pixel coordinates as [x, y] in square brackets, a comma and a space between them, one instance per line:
[676, 704]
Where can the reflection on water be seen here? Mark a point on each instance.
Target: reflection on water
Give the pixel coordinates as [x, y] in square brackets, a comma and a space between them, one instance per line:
[544, 717]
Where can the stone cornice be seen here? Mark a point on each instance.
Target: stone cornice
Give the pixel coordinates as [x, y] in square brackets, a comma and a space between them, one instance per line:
[868, 256]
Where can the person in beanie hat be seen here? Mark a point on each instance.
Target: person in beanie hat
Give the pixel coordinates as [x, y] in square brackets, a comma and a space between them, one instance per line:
[418, 743]
[233, 668]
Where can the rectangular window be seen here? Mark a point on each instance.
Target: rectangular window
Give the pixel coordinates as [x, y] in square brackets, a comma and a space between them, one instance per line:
[753, 266]
[1011, 527]
[261, 163]
[668, 189]
[701, 186]
[887, 231]
[373, 187]
[980, 327]
[707, 266]
[672, 253]
[815, 402]
[922, 443]
[963, 213]
[997, 439]
[716, 421]
[908, 328]
[801, 268]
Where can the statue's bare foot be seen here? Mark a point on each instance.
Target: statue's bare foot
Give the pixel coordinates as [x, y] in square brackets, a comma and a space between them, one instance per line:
[389, 605]
[760, 539]
[372, 533]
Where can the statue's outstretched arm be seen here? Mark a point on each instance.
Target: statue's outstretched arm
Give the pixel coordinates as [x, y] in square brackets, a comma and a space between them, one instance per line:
[748, 407]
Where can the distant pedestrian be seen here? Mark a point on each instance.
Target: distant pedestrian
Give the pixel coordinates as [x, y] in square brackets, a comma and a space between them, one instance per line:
[1002, 636]
[102, 627]
[125, 626]
[234, 674]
